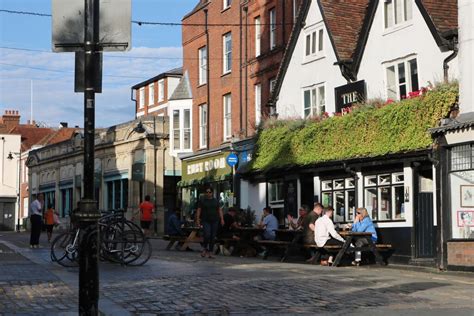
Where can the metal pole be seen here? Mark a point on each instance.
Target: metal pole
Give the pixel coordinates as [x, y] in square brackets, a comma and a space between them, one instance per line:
[154, 176]
[88, 214]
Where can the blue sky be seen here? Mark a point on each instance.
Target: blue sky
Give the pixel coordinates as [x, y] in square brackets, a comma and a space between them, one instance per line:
[52, 74]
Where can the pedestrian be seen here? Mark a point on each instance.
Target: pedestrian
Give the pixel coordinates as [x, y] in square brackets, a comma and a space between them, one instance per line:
[36, 217]
[49, 220]
[209, 213]
[146, 215]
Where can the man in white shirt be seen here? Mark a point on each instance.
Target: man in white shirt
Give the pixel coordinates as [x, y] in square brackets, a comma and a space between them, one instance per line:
[36, 218]
[325, 234]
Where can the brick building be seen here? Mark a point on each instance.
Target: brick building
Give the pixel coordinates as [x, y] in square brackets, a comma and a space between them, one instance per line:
[231, 53]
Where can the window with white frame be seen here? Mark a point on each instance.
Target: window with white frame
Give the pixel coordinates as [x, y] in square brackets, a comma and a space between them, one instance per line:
[141, 98]
[314, 101]
[203, 126]
[176, 131]
[258, 103]
[181, 129]
[341, 195]
[258, 36]
[151, 93]
[314, 43]
[227, 101]
[186, 129]
[402, 78]
[384, 196]
[397, 12]
[272, 14]
[275, 192]
[226, 4]
[227, 52]
[161, 90]
[202, 65]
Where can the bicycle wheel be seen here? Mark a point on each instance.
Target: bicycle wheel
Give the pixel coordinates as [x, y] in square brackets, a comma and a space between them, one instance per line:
[64, 250]
[142, 254]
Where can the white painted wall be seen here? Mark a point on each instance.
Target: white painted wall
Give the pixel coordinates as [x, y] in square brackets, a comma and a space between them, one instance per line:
[9, 177]
[411, 38]
[466, 55]
[301, 74]
[256, 198]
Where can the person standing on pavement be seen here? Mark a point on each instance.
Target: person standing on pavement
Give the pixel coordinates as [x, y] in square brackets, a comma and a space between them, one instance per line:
[146, 215]
[36, 218]
[209, 213]
[49, 221]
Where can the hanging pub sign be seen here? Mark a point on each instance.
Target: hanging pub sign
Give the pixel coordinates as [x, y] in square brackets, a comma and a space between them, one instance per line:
[348, 95]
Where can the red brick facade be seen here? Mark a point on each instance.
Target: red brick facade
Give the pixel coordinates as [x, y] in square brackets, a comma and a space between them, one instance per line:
[246, 71]
[461, 253]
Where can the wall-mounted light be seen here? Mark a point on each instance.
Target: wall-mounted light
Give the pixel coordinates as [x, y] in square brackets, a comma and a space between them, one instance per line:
[407, 194]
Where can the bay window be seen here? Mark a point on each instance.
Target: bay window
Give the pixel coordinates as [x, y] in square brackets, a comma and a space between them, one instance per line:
[181, 129]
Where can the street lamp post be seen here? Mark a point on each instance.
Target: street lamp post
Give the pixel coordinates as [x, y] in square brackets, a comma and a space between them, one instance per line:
[10, 157]
[142, 130]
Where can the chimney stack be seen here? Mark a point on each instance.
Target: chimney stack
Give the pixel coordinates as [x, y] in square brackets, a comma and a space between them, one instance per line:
[466, 53]
[11, 119]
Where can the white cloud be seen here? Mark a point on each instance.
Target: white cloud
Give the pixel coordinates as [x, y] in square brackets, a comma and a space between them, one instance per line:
[54, 99]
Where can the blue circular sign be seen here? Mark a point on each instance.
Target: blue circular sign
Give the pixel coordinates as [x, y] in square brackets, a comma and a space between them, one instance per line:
[232, 159]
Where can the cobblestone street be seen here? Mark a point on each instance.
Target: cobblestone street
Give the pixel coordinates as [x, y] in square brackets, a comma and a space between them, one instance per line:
[175, 283]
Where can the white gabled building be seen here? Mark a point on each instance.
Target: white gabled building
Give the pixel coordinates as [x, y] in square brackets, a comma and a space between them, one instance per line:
[341, 53]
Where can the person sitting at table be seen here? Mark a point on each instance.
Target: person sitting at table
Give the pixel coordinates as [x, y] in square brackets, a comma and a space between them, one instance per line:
[308, 228]
[173, 227]
[268, 222]
[362, 223]
[325, 234]
[298, 225]
[226, 230]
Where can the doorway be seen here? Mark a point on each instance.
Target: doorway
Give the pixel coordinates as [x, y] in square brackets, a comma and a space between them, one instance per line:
[425, 231]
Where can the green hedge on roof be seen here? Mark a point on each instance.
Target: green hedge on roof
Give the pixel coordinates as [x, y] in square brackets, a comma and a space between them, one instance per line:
[368, 131]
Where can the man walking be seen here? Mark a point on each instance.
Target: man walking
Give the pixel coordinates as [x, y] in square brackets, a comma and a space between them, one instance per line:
[36, 218]
[209, 214]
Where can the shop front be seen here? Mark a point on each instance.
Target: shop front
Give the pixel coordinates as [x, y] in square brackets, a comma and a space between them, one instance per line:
[456, 197]
[203, 171]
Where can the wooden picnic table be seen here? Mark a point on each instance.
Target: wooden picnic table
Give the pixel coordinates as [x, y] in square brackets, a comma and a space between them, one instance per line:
[192, 236]
[246, 236]
[349, 238]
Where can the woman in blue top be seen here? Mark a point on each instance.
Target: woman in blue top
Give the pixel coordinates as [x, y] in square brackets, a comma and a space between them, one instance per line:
[362, 223]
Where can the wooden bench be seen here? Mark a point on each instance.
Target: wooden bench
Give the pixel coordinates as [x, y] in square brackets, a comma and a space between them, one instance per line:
[335, 248]
[271, 245]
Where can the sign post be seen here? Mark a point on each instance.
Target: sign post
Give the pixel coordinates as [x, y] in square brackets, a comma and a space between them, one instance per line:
[78, 28]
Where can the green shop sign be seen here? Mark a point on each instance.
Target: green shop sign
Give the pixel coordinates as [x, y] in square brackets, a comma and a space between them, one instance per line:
[211, 167]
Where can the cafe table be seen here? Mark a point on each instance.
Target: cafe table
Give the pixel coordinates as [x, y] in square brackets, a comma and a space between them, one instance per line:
[192, 237]
[351, 237]
[246, 237]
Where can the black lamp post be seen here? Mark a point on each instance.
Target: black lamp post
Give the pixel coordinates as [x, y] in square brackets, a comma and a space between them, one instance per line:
[140, 129]
[10, 157]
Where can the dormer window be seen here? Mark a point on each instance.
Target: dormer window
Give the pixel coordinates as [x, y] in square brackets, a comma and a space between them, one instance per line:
[397, 12]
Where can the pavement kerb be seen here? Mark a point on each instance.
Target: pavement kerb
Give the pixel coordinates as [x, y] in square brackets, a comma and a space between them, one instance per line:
[106, 306]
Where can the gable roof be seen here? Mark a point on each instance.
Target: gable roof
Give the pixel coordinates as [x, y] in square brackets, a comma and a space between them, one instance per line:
[344, 20]
[30, 135]
[183, 89]
[441, 16]
[176, 72]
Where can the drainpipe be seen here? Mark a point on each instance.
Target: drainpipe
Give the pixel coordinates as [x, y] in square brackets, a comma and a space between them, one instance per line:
[208, 82]
[449, 58]
[246, 71]
[240, 71]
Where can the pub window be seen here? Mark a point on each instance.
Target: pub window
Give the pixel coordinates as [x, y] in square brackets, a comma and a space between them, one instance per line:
[397, 12]
[402, 78]
[384, 196]
[462, 157]
[340, 194]
[275, 192]
[314, 101]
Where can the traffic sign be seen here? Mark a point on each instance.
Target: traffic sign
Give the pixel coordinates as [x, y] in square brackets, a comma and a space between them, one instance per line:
[232, 159]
